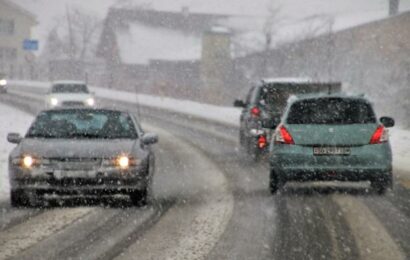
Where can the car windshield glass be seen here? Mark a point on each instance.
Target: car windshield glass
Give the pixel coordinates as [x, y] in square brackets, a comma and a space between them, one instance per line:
[70, 88]
[273, 97]
[103, 124]
[331, 111]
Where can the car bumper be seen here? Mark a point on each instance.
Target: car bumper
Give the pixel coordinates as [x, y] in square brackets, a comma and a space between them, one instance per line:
[368, 162]
[80, 182]
[332, 174]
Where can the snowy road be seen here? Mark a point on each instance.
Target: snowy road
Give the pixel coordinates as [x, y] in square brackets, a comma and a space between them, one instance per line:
[212, 203]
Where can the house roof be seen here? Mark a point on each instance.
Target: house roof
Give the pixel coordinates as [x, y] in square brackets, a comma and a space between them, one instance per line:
[140, 35]
[21, 10]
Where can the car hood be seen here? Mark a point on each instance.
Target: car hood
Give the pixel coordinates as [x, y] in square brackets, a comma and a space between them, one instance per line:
[66, 148]
[71, 97]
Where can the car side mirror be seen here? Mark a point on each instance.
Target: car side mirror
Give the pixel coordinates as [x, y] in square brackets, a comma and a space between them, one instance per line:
[387, 121]
[239, 103]
[149, 138]
[270, 123]
[14, 138]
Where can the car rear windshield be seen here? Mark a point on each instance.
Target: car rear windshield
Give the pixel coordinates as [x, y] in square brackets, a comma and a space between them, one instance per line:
[331, 111]
[88, 124]
[69, 88]
[273, 97]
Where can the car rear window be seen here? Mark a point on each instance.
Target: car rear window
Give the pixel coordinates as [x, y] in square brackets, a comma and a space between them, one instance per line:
[70, 88]
[331, 111]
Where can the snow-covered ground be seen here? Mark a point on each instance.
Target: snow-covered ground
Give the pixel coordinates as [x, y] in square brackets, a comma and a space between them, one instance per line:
[12, 120]
[16, 121]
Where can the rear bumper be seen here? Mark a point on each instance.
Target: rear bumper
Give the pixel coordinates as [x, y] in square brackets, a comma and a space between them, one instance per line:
[334, 174]
[370, 162]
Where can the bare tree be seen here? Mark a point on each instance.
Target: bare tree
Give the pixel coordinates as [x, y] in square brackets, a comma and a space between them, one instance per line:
[74, 37]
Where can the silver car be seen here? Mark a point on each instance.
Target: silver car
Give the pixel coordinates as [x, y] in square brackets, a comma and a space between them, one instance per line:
[81, 152]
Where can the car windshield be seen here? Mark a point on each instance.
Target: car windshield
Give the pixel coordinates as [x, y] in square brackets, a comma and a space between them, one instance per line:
[88, 124]
[69, 88]
[331, 111]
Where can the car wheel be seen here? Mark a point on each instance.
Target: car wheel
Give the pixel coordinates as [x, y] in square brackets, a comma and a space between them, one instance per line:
[242, 141]
[381, 185]
[18, 199]
[275, 182]
[139, 197]
[255, 155]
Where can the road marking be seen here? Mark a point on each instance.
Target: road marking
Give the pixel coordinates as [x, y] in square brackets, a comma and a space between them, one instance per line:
[25, 235]
[372, 239]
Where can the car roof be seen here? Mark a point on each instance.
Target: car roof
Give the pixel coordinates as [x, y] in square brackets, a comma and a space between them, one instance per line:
[342, 95]
[72, 82]
[286, 80]
[85, 109]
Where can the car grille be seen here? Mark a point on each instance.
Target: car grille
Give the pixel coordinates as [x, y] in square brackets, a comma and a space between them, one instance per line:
[72, 163]
[72, 103]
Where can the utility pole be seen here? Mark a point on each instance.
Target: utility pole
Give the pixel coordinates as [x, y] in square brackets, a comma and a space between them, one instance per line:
[394, 7]
[70, 34]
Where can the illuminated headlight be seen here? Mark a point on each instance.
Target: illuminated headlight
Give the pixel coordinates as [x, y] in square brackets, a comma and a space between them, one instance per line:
[90, 102]
[3, 82]
[123, 162]
[54, 101]
[26, 161]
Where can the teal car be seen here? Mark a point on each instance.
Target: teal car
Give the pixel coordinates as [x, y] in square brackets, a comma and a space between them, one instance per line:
[331, 137]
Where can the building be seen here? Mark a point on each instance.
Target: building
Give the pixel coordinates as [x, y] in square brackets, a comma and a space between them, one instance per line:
[180, 54]
[373, 58]
[15, 27]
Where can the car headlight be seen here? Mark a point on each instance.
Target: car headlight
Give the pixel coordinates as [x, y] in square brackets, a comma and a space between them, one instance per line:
[3, 82]
[26, 161]
[123, 162]
[54, 101]
[90, 102]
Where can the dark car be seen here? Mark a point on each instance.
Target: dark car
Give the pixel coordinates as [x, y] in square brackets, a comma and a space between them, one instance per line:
[81, 152]
[267, 100]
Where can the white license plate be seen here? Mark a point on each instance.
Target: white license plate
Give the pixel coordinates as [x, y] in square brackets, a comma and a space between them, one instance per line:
[331, 150]
[70, 174]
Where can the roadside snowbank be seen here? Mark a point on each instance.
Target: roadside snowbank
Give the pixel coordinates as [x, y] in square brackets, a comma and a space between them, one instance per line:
[225, 115]
[12, 120]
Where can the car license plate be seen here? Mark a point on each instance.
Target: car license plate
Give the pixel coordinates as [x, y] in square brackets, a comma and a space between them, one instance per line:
[331, 150]
[70, 174]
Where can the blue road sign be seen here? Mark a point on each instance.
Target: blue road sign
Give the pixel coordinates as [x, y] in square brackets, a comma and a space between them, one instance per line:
[30, 45]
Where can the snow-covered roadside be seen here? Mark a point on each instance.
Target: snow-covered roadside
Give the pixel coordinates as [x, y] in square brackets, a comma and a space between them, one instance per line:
[228, 115]
[400, 140]
[225, 115]
[12, 120]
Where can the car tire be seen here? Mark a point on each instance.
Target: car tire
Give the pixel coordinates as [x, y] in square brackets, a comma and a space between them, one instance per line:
[381, 185]
[139, 197]
[275, 182]
[18, 199]
[241, 139]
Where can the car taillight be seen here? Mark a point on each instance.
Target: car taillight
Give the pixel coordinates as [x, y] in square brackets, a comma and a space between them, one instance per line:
[381, 135]
[262, 142]
[283, 136]
[255, 112]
